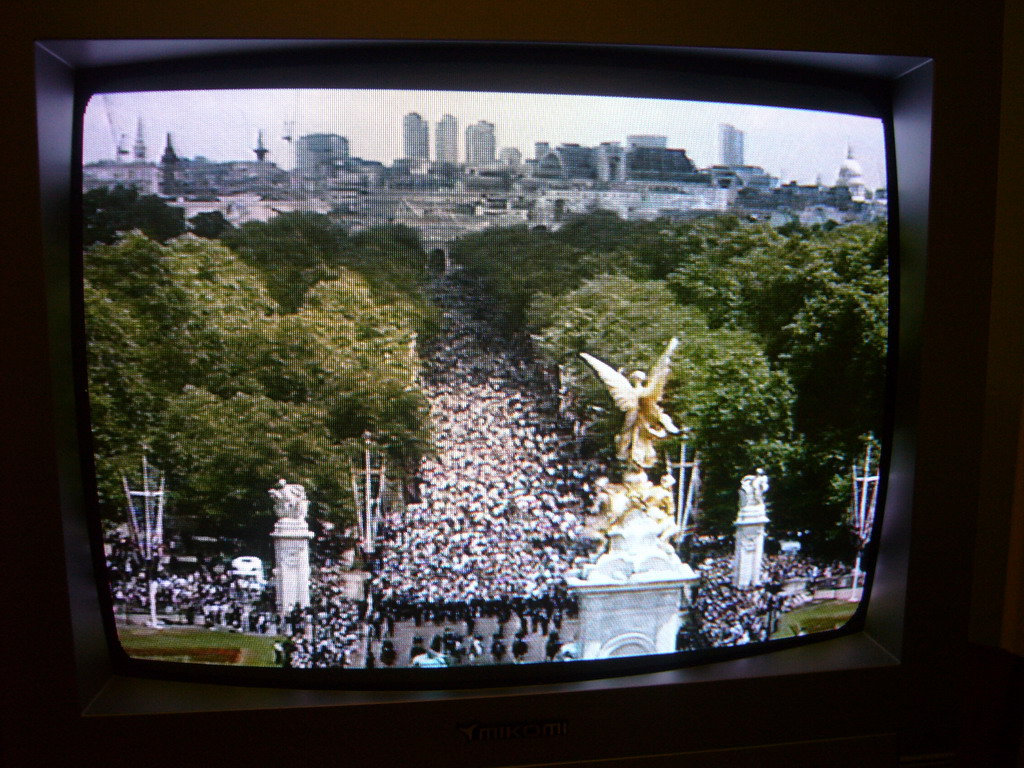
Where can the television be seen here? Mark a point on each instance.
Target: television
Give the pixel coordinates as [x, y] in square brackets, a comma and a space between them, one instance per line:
[858, 694]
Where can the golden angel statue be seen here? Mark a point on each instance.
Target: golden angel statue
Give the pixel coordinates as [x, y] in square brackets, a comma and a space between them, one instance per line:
[638, 398]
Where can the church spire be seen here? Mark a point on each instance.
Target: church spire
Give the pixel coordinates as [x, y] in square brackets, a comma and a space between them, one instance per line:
[169, 156]
[140, 143]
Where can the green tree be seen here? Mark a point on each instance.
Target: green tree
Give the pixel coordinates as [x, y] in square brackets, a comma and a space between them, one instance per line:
[292, 251]
[818, 302]
[721, 387]
[221, 455]
[296, 251]
[210, 225]
[109, 213]
[516, 264]
[189, 354]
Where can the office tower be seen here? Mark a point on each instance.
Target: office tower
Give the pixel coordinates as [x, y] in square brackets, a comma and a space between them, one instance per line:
[480, 142]
[647, 141]
[510, 156]
[540, 148]
[319, 155]
[168, 168]
[731, 144]
[416, 137]
[446, 140]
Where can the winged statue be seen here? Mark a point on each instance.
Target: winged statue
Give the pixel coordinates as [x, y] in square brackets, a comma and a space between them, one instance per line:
[638, 396]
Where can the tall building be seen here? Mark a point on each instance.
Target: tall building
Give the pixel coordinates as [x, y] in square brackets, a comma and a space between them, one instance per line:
[647, 141]
[416, 137]
[480, 145]
[567, 161]
[168, 169]
[610, 160]
[446, 140]
[320, 155]
[730, 141]
[658, 164]
[510, 156]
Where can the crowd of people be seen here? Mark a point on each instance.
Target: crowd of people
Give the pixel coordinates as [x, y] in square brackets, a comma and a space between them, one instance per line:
[329, 632]
[722, 615]
[482, 551]
[326, 633]
[206, 594]
[499, 518]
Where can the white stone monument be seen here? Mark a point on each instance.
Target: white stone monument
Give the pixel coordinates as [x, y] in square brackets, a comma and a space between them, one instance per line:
[750, 523]
[291, 545]
[630, 599]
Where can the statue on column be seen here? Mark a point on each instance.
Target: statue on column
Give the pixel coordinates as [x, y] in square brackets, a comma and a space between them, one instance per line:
[291, 537]
[753, 489]
[750, 530]
[290, 500]
[760, 486]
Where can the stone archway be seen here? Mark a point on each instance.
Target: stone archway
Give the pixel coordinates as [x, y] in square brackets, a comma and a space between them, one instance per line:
[627, 644]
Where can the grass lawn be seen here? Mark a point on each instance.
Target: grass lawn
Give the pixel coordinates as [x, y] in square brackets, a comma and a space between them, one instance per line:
[819, 617]
[197, 645]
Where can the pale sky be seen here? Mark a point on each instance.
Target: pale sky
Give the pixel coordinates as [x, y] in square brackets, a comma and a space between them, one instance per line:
[222, 125]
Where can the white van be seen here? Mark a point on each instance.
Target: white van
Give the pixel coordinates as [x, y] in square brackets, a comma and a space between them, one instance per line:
[249, 568]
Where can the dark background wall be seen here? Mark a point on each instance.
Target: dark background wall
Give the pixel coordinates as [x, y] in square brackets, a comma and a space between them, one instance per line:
[970, 395]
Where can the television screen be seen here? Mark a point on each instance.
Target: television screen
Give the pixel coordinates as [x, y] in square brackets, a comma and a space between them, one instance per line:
[394, 378]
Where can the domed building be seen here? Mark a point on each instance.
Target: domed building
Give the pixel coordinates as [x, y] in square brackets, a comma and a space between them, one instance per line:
[851, 176]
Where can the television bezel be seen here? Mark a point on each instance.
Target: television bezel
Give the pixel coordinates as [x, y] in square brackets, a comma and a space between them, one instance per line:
[581, 69]
[65, 68]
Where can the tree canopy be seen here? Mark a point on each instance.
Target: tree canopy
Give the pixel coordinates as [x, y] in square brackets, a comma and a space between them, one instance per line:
[784, 340]
[268, 351]
[191, 354]
[106, 213]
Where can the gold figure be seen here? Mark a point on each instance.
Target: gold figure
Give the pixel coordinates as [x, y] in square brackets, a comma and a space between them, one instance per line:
[636, 493]
[638, 398]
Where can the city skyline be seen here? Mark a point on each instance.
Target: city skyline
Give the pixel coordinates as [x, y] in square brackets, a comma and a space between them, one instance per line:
[791, 144]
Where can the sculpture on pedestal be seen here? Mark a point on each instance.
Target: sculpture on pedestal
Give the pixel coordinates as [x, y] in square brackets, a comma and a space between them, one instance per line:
[752, 489]
[617, 503]
[750, 524]
[630, 597]
[289, 500]
[291, 545]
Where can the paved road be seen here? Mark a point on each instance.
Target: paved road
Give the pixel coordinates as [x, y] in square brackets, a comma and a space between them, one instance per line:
[405, 631]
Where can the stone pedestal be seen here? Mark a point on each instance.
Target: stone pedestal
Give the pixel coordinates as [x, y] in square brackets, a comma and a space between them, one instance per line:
[630, 599]
[291, 558]
[749, 546]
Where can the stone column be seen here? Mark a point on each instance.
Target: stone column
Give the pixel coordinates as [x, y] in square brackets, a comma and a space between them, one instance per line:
[291, 558]
[750, 523]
